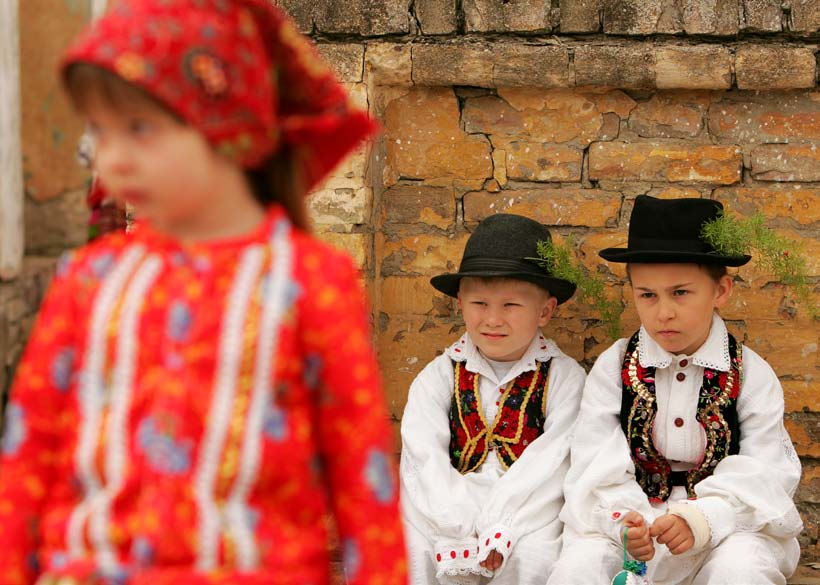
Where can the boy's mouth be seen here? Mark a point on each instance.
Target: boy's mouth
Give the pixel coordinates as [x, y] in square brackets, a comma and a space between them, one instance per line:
[494, 335]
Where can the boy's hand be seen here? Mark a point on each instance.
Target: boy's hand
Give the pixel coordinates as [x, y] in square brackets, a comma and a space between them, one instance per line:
[674, 532]
[493, 560]
[639, 543]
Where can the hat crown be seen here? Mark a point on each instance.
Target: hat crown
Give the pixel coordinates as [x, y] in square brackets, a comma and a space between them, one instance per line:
[505, 235]
[671, 224]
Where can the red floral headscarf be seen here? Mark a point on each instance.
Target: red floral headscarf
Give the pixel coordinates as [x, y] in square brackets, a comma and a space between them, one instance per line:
[237, 70]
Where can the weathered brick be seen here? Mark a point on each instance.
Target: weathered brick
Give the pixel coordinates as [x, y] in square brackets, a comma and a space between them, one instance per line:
[786, 162]
[412, 295]
[580, 16]
[389, 63]
[405, 346]
[564, 207]
[779, 203]
[710, 17]
[592, 243]
[768, 67]
[756, 273]
[780, 117]
[804, 431]
[790, 350]
[536, 161]
[696, 67]
[54, 225]
[801, 395]
[453, 64]
[491, 115]
[301, 12]
[342, 206]
[664, 161]
[419, 204]
[531, 66]
[357, 245]
[508, 16]
[556, 116]
[631, 17]
[806, 15]
[423, 139]
[346, 59]
[670, 115]
[437, 17]
[362, 17]
[628, 67]
[421, 254]
[610, 101]
[753, 301]
[762, 15]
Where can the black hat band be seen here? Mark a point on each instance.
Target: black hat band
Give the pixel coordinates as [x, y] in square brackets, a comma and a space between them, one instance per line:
[483, 264]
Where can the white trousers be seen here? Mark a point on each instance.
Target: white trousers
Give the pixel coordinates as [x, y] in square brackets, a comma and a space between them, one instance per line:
[530, 563]
[743, 558]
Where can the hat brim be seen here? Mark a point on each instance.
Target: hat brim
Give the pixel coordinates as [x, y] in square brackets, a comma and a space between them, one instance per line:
[561, 289]
[670, 257]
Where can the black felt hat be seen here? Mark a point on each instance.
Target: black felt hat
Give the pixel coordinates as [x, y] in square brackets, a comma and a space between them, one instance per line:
[667, 231]
[501, 245]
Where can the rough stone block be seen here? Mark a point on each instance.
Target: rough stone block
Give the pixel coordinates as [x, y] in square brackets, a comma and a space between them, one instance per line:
[419, 204]
[508, 16]
[631, 17]
[664, 161]
[413, 295]
[557, 207]
[786, 162]
[698, 67]
[780, 204]
[491, 115]
[536, 161]
[804, 430]
[762, 15]
[357, 245]
[490, 65]
[758, 67]
[580, 16]
[390, 64]
[423, 139]
[420, 254]
[362, 17]
[670, 115]
[437, 17]
[627, 67]
[346, 59]
[778, 117]
[805, 15]
[55, 225]
[301, 12]
[344, 206]
[790, 350]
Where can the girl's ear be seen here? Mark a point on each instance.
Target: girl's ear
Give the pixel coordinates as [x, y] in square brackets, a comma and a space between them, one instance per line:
[547, 310]
[723, 290]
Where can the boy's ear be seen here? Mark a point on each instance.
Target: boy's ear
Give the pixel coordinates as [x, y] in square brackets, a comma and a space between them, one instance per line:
[547, 310]
[723, 290]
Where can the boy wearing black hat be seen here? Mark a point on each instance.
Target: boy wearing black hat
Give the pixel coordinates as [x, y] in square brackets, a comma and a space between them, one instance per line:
[680, 452]
[485, 434]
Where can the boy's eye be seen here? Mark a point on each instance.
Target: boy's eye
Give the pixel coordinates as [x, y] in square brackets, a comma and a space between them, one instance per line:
[647, 295]
[680, 292]
[512, 304]
[479, 303]
[140, 127]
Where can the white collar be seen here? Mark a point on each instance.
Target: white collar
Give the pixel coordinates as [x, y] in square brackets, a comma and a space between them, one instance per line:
[713, 354]
[464, 350]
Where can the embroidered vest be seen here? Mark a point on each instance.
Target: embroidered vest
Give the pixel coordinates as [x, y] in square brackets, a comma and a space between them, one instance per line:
[716, 413]
[520, 418]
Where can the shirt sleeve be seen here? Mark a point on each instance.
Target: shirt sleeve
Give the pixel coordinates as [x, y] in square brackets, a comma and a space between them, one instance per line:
[436, 498]
[353, 430]
[529, 495]
[753, 490]
[600, 487]
[36, 417]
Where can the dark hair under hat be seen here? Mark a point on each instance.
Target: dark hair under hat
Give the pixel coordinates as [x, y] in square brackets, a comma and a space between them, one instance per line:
[502, 246]
[666, 231]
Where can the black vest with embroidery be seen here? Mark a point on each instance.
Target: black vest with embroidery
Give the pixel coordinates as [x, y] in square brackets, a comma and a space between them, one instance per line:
[520, 419]
[716, 413]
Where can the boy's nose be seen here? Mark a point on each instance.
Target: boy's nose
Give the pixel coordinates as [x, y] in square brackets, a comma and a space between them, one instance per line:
[113, 158]
[666, 311]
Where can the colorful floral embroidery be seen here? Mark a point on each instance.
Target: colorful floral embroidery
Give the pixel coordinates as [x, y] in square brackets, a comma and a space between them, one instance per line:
[520, 418]
[717, 414]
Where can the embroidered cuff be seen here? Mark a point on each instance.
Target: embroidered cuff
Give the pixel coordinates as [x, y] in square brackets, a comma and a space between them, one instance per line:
[500, 538]
[616, 526]
[719, 516]
[696, 521]
[456, 557]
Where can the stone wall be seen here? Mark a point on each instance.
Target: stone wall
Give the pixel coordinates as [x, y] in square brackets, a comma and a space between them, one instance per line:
[564, 110]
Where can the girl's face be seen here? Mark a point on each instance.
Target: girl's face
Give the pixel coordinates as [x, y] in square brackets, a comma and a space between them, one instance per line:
[163, 168]
[675, 303]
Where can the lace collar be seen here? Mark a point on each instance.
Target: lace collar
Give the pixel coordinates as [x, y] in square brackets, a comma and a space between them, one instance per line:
[464, 350]
[713, 354]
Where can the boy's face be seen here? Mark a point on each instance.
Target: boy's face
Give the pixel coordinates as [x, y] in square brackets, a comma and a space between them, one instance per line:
[675, 303]
[502, 316]
[164, 169]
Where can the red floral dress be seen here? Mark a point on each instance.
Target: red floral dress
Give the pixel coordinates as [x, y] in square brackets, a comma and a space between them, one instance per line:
[192, 414]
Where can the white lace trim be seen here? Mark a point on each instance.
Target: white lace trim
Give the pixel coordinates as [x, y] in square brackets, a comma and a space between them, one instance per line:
[237, 511]
[713, 354]
[541, 349]
[90, 394]
[458, 558]
[230, 349]
[497, 537]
